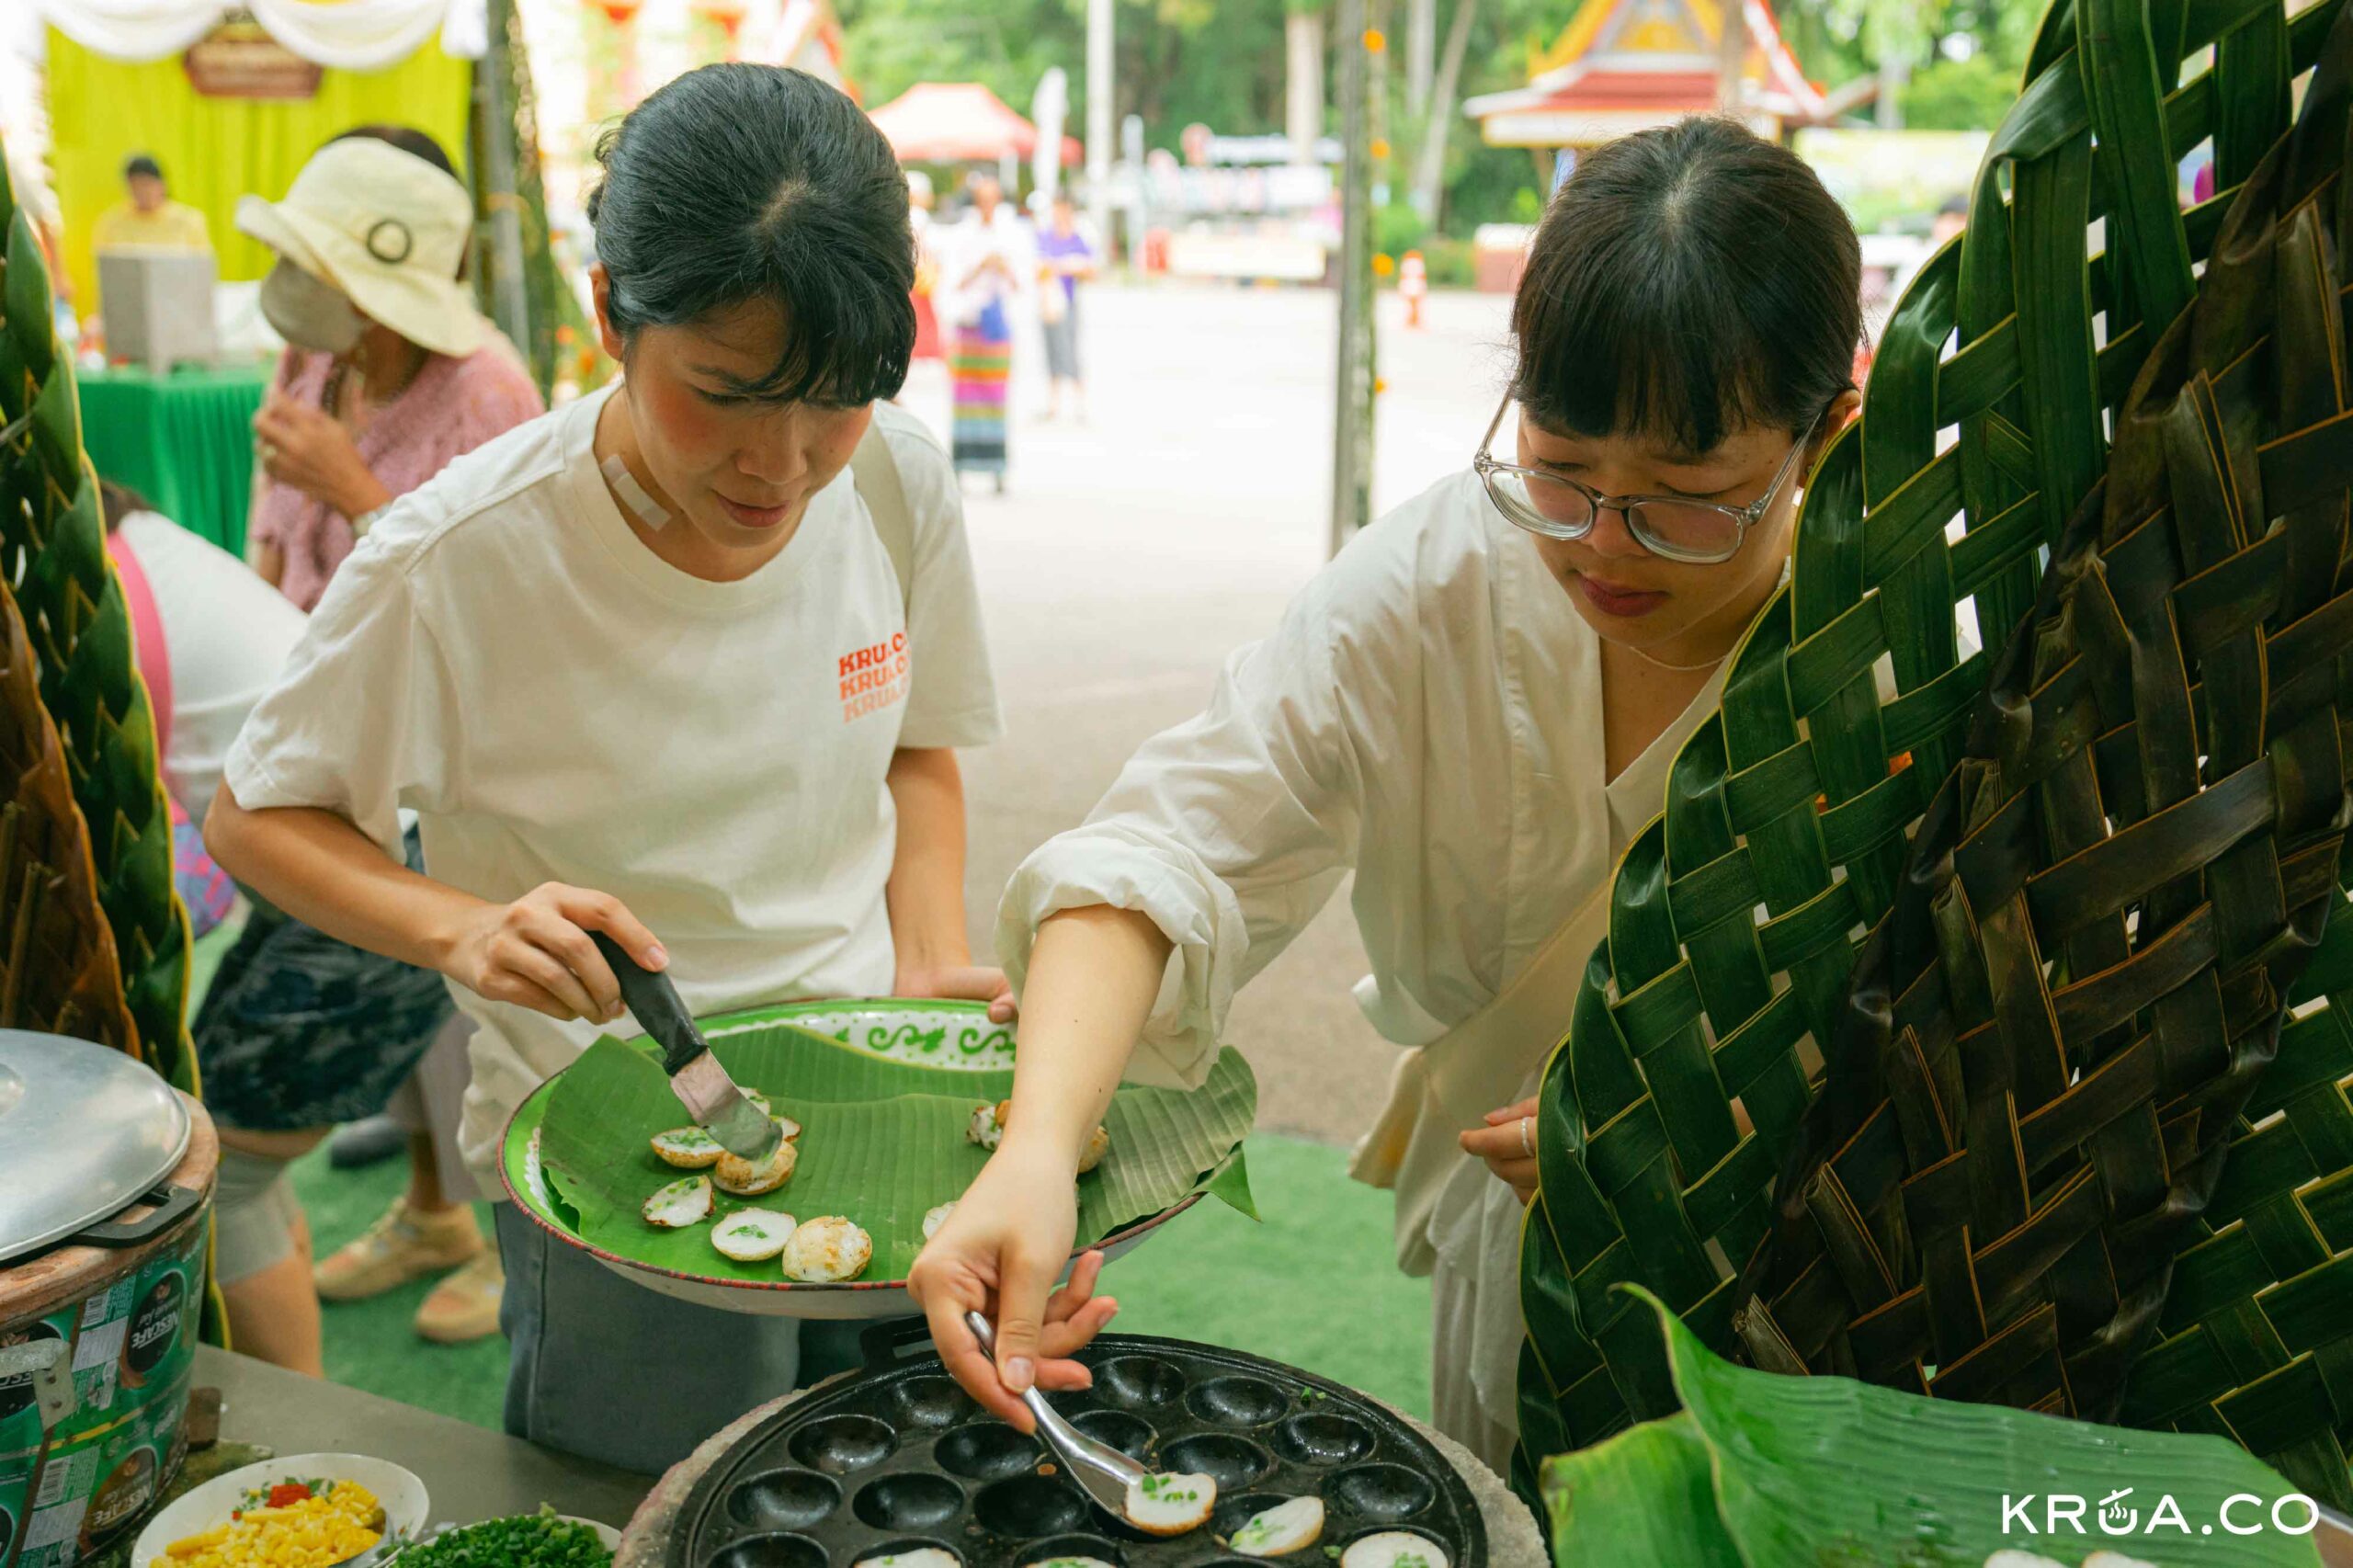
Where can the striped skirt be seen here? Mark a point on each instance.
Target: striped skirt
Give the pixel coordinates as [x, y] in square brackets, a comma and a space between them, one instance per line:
[980, 364]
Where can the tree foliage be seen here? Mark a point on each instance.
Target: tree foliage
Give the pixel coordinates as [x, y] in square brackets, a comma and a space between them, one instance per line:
[1220, 62]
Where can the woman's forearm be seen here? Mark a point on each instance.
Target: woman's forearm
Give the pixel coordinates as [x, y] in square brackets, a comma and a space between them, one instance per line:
[1093, 975]
[926, 892]
[323, 872]
[362, 494]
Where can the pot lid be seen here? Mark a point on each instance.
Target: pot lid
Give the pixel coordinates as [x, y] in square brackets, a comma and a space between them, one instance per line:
[84, 1131]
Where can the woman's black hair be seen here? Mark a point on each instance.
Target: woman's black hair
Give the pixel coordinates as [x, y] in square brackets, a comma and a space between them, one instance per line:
[1688, 281]
[408, 139]
[740, 182]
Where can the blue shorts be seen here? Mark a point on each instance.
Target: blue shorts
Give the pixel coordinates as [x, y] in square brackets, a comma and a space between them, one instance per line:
[300, 1030]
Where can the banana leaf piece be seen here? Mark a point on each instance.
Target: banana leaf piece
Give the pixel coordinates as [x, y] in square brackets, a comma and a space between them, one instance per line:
[1644, 1497]
[882, 1143]
[1827, 1472]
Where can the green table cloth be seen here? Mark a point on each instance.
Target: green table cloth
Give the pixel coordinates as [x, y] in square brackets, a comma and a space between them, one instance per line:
[185, 441]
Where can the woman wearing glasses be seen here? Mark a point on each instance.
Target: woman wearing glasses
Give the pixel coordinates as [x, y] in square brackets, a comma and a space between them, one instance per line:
[1472, 709]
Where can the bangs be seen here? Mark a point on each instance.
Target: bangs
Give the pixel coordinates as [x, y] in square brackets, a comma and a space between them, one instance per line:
[737, 186]
[1688, 281]
[843, 346]
[1620, 339]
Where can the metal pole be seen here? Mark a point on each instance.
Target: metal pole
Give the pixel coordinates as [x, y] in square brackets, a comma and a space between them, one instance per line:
[1732, 61]
[1101, 94]
[1352, 399]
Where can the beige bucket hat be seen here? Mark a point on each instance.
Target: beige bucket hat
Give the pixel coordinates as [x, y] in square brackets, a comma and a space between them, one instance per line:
[385, 227]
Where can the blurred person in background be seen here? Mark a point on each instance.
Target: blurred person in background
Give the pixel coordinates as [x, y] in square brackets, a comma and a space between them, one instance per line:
[919, 203]
[1951, 219]
[390, 373]
[984, 261]
[1065, 259]
[148, 218]
[210, 637]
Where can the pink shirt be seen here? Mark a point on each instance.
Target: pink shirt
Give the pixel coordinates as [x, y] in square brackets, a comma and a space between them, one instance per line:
[452, 407]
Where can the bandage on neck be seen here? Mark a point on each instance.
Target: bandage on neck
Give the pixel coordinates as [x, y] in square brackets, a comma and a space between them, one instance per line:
[632, 495]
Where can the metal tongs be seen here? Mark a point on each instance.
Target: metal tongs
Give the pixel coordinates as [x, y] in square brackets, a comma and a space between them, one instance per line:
[1102, 1472]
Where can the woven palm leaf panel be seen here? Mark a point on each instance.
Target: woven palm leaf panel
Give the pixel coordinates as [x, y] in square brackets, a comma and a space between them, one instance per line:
[57, 962]
[1737, 918]
[2051, 1040]
[53, 565]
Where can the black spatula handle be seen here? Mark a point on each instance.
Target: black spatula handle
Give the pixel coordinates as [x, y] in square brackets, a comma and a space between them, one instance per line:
[656, 1003]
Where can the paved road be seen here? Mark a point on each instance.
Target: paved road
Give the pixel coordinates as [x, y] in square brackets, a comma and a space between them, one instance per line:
[1133, 553]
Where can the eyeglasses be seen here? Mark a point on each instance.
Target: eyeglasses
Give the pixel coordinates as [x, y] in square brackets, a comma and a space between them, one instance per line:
[1674, 526]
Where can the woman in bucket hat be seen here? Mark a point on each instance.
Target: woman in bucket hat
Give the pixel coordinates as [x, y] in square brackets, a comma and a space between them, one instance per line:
[390, 373]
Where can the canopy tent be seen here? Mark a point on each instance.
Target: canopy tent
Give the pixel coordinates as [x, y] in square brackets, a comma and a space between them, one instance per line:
[959, 122]
[350, 35]
[1624, 66]
[120, 82]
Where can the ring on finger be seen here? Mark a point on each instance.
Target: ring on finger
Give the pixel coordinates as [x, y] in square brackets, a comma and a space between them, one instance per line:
[1528, 1136]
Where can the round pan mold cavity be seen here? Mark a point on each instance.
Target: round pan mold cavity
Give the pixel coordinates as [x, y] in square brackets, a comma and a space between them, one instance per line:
[1320, 1437]
[1380, 1492]
[1237, 1402]
[1232, 1462]
[911, 1500]
[840, 1444]
[1132, 1435]
[1063, 1547]
[784, 1499]
[931, 1402]
[773, 1551]
[900, 1548]
[987, 1451]
[1139, 1382]
[1029, 1507]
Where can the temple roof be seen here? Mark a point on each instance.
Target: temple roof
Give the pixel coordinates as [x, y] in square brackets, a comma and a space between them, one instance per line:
[1621, 65]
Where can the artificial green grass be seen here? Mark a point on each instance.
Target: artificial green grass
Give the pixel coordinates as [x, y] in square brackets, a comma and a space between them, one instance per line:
[1311, 1285]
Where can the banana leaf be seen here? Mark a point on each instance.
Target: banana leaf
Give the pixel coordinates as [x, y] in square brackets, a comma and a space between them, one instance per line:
[883, 1141]
[1760, 1470]
[1646, 1496]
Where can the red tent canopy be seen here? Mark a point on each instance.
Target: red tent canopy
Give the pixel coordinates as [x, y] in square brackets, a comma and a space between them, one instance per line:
[958, 122]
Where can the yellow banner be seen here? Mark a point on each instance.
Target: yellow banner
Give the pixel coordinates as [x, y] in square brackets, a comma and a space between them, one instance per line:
[214, 150]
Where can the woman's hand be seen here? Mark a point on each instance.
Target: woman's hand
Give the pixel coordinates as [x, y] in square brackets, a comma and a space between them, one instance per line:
[999, 1255]
[304, 447]
[1508, 1145]
[536, 953]
[960, 982]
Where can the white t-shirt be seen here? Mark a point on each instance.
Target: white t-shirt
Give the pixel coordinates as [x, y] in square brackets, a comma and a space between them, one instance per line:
[557, 703]
[965, 245]
[226, 635]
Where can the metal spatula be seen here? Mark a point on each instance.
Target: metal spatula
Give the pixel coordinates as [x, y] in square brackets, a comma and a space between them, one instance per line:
[701, 1085]
[1103, 1471]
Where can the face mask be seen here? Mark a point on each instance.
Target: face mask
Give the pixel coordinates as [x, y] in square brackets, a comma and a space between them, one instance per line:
[308, 312]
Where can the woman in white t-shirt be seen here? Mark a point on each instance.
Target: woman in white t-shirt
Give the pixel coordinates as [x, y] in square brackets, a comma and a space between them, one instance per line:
[603, 659]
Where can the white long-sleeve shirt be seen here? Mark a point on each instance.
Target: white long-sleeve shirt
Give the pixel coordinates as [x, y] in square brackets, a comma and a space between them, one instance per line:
[1427, 715]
